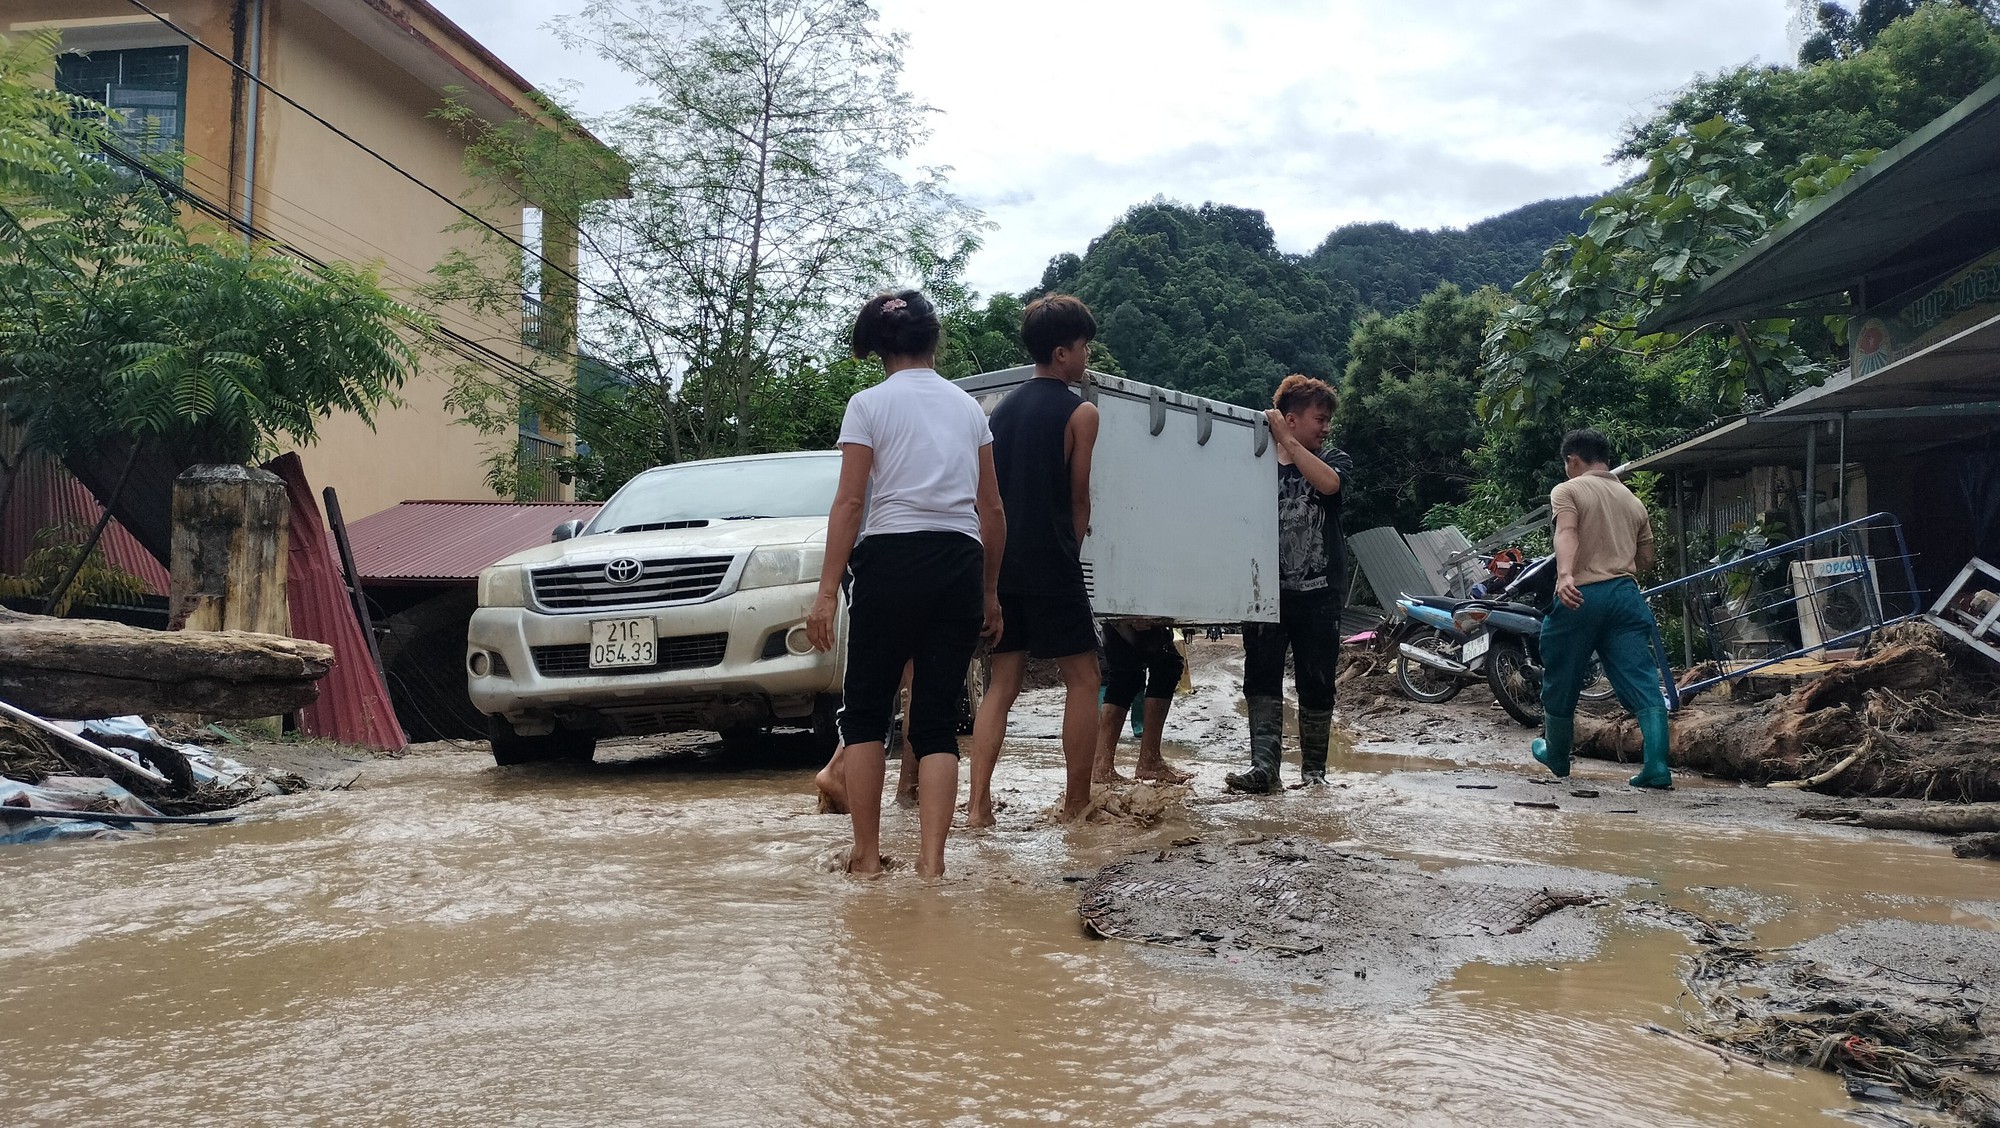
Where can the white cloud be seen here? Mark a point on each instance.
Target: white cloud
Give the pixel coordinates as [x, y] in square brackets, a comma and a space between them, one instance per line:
[1057, 115]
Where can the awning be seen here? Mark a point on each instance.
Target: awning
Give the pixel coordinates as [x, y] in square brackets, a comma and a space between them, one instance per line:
[1930, 203]
[1963, 369]
[1872, 435]
[448, 542]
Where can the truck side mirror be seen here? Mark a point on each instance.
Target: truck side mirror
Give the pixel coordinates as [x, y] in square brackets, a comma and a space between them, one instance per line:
[566, 530]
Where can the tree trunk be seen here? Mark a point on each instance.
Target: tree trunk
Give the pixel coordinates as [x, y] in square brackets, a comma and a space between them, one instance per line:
[1969, 818]
[85, 668]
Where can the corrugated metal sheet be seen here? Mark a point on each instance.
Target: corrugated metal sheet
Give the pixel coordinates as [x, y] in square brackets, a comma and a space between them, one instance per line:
[1435, 547]
[45, 495]
[1392, 569]
[448, 542]
[353, 705]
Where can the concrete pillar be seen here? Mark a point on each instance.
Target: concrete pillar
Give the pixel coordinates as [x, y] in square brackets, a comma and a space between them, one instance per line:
[229, 551]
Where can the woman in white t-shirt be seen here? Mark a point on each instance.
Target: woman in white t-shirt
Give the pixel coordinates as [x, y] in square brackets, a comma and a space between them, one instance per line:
[925, 565]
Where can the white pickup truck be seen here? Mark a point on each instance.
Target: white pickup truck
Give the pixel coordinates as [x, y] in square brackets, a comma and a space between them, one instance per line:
[682, 604]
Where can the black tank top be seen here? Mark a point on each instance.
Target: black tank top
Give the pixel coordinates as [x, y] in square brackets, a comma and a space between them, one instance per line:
[1042, 551]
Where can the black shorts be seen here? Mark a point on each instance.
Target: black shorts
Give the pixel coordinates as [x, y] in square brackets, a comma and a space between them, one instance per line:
[1047, 624]
[1139, 660]
[917, 600]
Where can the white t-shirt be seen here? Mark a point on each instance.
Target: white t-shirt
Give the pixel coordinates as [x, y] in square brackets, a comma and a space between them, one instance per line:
[926, 434]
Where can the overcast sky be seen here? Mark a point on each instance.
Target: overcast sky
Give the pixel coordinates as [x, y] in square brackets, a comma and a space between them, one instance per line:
[1057, 115]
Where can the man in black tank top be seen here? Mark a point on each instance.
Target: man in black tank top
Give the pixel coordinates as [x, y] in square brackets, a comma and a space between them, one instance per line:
[1043, 437]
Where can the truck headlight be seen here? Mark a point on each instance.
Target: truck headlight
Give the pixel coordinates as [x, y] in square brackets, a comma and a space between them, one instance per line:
[777, 567]
[503, 585]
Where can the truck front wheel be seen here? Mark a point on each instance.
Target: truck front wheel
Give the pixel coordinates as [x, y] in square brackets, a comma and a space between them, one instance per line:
[511, 748]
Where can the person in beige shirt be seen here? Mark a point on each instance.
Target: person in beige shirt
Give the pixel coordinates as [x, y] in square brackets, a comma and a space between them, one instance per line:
[1604, 539]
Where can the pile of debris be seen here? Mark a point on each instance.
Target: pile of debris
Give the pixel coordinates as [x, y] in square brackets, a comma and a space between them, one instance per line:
[1915, 716]
[1903, 1012]
[61, 780]
[97, 776]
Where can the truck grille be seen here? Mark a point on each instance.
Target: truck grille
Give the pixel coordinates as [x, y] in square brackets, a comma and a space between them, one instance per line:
[582, 587]
[689, 652]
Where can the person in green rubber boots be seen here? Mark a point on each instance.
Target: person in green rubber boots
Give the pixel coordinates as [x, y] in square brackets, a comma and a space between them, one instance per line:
[1604, 539]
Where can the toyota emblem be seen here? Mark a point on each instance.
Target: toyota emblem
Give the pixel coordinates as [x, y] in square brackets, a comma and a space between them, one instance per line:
[623, 570]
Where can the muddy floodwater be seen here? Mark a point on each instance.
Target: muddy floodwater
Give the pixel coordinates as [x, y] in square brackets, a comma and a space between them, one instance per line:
[656, 939]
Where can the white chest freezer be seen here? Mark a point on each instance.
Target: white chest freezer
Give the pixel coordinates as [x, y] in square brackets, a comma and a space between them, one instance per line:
[1183, 503]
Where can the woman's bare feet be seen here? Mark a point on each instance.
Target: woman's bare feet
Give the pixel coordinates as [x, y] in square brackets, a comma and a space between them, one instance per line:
[1109, 775]
[1161, 773]
[832, 784]
[880, 867]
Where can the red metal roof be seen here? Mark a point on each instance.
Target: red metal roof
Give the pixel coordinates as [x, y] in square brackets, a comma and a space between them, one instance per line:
[448, 542]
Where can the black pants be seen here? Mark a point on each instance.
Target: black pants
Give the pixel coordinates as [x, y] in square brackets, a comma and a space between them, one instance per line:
[1308, 623]
[1141, 659]
[916, 597]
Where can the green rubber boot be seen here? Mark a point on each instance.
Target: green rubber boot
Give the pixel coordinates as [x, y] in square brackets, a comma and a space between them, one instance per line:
[1552, 747]
[1653, 727]
[1315, 737]
[1267, 729]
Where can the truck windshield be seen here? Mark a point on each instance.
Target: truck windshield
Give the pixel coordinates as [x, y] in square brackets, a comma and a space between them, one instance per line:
[698, 492]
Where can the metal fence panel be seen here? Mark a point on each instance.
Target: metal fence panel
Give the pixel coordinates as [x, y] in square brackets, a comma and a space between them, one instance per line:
[1826, 591]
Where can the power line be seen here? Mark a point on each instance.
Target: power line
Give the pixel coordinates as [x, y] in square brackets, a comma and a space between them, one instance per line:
[555, 267]
[356, 142]
[465, 347]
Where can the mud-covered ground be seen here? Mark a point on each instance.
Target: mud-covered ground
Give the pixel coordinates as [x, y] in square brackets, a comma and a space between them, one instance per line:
[1373, 932]
[1442, 936]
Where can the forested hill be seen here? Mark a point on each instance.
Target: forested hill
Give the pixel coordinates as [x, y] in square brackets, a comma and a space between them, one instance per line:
[1202, 299]
[1391, 268]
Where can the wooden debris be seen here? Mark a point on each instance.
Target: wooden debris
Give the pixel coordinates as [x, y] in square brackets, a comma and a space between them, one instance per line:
[1968, 818]
[85, 668]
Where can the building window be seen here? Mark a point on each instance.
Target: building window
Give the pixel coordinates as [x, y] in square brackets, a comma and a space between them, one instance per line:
[147, 86]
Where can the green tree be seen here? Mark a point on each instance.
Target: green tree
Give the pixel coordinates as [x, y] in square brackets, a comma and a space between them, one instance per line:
[764, 190]
[1406, 407]
[1694, 208]
[1834, 31]
[1913, 70]
[1391, 268]
[120, 322]
[1201, 299]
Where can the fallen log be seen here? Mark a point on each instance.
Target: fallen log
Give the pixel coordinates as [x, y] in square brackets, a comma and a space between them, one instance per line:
[84, 668]
[1852, 732]
[1969, 818]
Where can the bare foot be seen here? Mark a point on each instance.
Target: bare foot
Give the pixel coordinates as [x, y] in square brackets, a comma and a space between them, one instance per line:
[1110, 775]
[924, 872]
[906, 799]
[1161, 773]
[1073, 809]
[978, 820]
[832, 792]
[876, 870]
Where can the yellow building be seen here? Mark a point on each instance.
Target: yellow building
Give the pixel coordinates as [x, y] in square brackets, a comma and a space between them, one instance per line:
[238, 88]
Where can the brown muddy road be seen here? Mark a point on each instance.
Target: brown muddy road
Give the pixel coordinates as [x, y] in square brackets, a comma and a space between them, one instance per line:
[651, 940]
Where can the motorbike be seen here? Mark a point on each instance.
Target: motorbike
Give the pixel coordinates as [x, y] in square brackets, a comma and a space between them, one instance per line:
[1445, 642]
